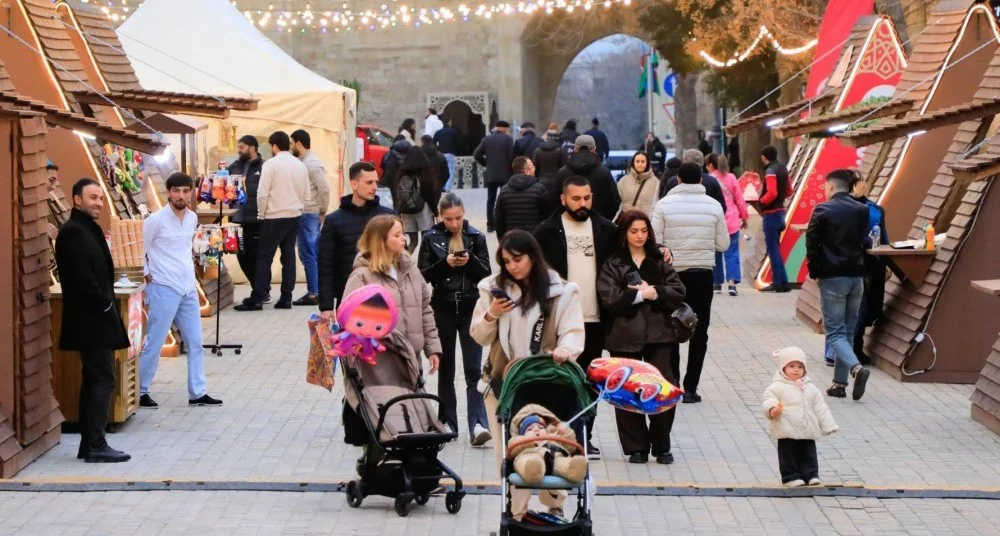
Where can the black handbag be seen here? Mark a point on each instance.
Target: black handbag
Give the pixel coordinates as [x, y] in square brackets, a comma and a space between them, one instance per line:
[684, 321]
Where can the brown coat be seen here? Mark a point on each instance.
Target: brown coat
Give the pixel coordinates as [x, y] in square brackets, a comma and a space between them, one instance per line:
[633, 326]
[412, 296]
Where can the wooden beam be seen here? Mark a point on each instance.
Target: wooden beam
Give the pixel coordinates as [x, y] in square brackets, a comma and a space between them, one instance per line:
[945, 117]
[154, 105]
[754, 121]
[820, 123]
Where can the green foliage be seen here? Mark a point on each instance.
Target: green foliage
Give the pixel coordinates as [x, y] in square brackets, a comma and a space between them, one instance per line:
[669, 31]
[354, 84]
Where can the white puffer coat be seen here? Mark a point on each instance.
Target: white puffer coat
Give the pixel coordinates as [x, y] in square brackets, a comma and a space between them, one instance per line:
[692, 225]
[805, 414]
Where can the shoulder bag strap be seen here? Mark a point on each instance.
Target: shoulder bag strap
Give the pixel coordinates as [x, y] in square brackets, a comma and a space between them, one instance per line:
[642, 184]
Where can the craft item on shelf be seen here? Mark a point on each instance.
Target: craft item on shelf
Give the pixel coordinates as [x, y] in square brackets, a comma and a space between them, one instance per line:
[205, 192]
[200, 241]
[231, 188]
[239, 235]
[232, 243]
[219, 187]
[106, 165]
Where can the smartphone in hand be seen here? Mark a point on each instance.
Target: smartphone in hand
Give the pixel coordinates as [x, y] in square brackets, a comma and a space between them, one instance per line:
[460, 253]
[500, 294]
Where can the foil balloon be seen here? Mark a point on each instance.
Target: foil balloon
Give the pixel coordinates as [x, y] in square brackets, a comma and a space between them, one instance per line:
[633, 385]
[366, 315]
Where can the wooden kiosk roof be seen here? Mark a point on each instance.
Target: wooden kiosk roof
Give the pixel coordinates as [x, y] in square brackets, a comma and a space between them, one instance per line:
[891, 129]
[820, 123]
[821, 101]
[169, 102]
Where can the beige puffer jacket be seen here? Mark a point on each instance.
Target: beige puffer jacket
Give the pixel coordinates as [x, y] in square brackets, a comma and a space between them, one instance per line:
[413, 298]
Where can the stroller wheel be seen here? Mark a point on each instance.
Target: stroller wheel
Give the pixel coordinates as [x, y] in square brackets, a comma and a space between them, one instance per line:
[422, 498]
[453, 502]
[354, 496]
[402, 506]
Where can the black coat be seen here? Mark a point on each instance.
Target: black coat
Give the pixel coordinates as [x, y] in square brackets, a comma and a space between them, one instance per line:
[549, 158]
[835, 239]
[91, 318]
[552, 238]
[496, 153]
[440, 166]
[248, 213]
[568, 136]
[338, 245]
[527, 144]
[522, 204]
[391, 162]
[711, 184]
[446, 140]
[632, 326]
[454, 285]
[586, 164]
[601, 141]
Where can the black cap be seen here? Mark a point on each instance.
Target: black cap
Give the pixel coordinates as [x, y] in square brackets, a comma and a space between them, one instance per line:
[502, 124]
[251, 141]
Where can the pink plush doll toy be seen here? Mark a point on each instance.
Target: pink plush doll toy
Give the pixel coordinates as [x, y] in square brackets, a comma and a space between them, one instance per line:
[366, 315]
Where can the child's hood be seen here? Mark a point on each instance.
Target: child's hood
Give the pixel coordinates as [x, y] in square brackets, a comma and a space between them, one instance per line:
[533, 409]
[789, 355]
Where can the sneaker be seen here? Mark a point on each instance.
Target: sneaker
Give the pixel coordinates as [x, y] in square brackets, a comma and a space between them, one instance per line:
[797, 483]
[205, 400]
[776, 288]
[593, 453]
[146, 401]
[837, 391]
[638, 457]
[248, 306]
[665, 459]
[830, 361]
[691, 398]
[815, 482]
[307, 300]
[480, 435]
[267, 299]
[717, 288]
[106, 454]
[860, 380]
[283, 305]
[732, 290]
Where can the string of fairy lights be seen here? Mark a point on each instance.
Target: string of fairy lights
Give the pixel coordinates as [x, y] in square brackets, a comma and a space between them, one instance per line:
[391, 15]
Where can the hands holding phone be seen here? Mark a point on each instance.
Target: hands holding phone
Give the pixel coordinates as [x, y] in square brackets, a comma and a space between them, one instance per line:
[500, 305]
[458, 258]
[647, 291]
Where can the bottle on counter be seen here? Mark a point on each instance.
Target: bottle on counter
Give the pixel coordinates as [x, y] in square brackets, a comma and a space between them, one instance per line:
[929, 237]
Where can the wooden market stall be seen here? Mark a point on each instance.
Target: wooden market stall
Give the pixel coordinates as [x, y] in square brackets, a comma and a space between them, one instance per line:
[986, 398]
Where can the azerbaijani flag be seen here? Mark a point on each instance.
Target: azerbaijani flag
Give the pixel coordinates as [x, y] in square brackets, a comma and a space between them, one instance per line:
[643, 78]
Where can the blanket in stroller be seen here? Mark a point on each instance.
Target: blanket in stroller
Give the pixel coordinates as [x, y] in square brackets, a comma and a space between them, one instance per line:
[396, 372]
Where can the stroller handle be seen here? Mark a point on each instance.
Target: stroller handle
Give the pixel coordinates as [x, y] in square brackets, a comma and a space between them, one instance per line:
[395, 400]
[553, 438]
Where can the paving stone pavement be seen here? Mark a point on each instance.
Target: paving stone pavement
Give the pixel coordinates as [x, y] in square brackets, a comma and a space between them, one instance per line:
[274, 426]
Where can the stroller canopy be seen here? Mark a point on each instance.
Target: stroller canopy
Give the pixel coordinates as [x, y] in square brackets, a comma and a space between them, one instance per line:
[542, 369]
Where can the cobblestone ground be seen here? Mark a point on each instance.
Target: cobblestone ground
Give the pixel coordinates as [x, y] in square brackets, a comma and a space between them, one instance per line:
[276, 427]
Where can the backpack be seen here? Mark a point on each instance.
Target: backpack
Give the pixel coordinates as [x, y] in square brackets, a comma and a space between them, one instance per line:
[408, 196]
[568, 147]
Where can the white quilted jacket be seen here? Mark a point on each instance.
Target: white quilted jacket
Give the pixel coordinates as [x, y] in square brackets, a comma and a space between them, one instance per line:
[805, 414]
[692, 225]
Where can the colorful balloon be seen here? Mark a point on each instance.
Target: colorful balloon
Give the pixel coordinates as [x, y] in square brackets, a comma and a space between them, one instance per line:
[633, 385]
[366, 315]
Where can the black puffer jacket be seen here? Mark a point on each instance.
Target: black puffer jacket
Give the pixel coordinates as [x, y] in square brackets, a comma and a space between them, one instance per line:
[522, 204]
[632, 326]
[587, 165]
[549, 158]
[835, 239]
[251, 179]
[440, 166]
[338, 245]
[390, 164]
[527, 144]
[454, 287]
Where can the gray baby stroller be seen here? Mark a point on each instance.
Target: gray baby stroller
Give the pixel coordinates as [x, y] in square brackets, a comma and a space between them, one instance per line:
[396, 423]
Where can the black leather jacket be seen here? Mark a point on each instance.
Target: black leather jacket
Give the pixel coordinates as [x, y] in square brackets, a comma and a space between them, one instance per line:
[835, 239]
[454, 287]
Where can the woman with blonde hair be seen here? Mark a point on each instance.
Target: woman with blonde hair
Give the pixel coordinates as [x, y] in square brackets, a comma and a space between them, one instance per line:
[383, 260]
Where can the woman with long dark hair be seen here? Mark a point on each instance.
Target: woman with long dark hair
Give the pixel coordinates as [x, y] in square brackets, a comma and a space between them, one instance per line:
[408, 129]
[416, 195]
[641, 291]
[453, 259]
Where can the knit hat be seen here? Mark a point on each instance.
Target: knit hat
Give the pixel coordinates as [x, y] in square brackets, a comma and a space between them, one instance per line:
[585, 141]
[528, 421]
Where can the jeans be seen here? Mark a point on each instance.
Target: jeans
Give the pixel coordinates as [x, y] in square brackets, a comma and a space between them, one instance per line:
[308, 241]
[698, 282]
[451, 171]
[247, 257]
[635, 435]
[730, 270]
[96, 389]
[797, 460]
[452, 322]
[166, 307]
[773, 225]
[276, 234]
[491, 199]
[840, 300]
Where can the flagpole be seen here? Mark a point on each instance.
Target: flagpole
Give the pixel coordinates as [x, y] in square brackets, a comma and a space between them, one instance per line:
[649, 90]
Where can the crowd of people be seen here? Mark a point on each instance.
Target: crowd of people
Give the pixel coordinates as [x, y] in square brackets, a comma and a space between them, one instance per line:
[586, 266]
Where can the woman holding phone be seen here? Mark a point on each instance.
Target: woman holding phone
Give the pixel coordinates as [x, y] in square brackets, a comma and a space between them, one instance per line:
[641, 291]
[525, 310]
[453, 259]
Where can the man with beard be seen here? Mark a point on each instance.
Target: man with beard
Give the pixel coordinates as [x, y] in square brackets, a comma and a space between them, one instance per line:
[312, 214]
[91, 322]
[585, 163]
[172, 292]
[248, 165]
[576, 241]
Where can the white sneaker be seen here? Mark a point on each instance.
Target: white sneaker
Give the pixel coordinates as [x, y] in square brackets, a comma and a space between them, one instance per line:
[815, 482]
[480, 435]
[797, 483]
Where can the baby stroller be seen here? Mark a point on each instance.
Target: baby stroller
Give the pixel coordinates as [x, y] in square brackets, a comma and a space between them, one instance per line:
[400, 431]
[562, 389]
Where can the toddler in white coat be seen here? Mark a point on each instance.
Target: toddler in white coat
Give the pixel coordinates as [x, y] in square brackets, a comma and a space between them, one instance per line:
[799, 416]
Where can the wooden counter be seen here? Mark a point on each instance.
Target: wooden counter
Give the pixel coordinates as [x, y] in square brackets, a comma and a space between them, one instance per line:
[66, 368]
[988, 286]
[908, 264]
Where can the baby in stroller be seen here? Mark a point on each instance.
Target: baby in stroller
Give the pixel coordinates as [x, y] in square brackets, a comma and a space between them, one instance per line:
[540, 445]
[388, 412]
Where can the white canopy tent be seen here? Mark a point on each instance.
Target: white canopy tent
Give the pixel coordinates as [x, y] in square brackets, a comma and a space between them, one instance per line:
[209, 47]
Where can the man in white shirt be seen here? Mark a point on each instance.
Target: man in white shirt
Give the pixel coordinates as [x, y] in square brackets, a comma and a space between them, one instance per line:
[282, 195]
[171, 291]
[432, 123]
[312, 215]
